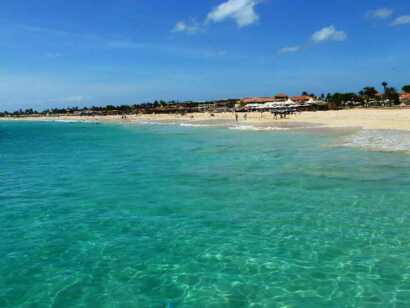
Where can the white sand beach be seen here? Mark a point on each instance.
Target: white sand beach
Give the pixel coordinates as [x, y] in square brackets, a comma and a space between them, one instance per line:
[395, 119]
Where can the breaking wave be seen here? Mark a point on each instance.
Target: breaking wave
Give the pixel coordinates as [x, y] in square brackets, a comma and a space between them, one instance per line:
[150, 123]
[258, 128]
[380, 140]
[193, 125]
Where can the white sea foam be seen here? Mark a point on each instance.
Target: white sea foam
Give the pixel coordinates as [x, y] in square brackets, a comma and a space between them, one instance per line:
[193, 125]
[380, 140]
[173, 123]
[67, 121]
[258, 128]
[150, 123]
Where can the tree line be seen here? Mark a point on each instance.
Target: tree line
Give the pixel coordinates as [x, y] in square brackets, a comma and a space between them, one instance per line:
[368, 96]
[155, 106]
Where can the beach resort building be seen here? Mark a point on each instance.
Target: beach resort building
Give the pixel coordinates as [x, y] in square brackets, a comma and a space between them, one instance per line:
[281, 97]
[302, 99]
[279, 100]
[405, 98]
[256, 100]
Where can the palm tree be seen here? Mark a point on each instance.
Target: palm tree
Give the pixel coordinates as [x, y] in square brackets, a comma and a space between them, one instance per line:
[393, 96]
[384, 84]
[370, 92]
[362, 97]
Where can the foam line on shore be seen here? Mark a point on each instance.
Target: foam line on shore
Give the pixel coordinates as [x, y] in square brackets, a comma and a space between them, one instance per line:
[258, 128]
[194, 125]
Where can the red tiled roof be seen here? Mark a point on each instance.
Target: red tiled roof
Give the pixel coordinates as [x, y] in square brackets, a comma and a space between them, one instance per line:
[405, 96]
[301, 98]
[281, 95]
[250, 100]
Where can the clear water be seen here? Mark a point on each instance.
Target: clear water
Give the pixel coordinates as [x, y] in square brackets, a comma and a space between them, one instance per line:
[149, 216]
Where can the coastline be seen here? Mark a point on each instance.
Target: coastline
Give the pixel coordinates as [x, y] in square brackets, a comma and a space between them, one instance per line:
[378, 119]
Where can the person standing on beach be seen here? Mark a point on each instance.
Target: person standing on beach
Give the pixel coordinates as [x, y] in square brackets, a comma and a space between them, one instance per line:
[236, 117]
[245, 116]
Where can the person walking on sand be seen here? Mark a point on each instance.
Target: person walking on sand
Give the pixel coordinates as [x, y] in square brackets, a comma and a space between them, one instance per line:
[236, 117]
[245, 116]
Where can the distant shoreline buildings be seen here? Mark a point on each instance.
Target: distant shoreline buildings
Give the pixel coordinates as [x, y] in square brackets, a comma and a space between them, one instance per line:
[279, 100]
[368, 97]
[405, 98]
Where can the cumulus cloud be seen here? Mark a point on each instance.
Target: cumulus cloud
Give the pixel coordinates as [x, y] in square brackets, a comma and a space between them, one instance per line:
[241, 11]
[289, 49]
[328, 34]
[382, 13]
[182, 26]
[401, 20]
[325, 34]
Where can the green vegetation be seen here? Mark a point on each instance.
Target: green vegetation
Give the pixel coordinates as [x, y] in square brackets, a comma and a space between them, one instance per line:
[406, 88]
[150, 107]
[344, 99]
[367, 97]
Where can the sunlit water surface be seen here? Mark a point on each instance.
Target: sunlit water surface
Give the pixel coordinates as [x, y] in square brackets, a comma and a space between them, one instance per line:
[156, 215]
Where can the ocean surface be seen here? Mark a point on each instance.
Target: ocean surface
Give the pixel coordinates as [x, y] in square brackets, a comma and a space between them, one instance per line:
[177, 216]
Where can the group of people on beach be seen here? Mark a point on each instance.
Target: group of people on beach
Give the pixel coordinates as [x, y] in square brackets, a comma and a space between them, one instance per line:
[282, 114]
[245, 117]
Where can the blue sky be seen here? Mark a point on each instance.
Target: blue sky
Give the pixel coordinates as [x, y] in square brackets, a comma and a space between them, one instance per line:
[84, 52]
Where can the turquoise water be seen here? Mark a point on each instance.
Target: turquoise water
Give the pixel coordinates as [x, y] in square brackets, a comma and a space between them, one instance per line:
[149, 216]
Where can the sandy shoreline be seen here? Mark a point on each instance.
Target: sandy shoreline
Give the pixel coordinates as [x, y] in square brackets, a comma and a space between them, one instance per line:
[395, 119]
[384, 130]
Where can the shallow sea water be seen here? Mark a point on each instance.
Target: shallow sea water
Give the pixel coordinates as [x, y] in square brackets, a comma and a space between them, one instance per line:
[155, 215]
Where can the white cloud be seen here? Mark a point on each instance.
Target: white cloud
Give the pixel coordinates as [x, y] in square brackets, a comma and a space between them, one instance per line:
[402, 20]
[328, 34]
[182, 26]
[289, 49]
[382, 13]
[241, 11]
